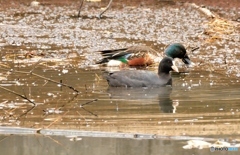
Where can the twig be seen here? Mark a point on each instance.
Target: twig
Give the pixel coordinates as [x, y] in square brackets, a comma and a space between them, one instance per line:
[63, 84]
[81, 4]
[89, 111]
[48, 79]
[72, 99]
[100, 15]
[25, 113]
[194, 49]
[206, 11]
[62, 106]
[24, 97]
[88, 102]
[34, 66]
[4, 138]
[86, 88]
[57, 119]
[82, 106]
[64, 146]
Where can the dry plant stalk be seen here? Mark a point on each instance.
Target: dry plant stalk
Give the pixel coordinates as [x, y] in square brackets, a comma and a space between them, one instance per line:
[100, 15]
[206, 11]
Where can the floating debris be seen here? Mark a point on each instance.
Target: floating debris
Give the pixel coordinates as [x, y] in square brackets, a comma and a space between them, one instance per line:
[200, 144]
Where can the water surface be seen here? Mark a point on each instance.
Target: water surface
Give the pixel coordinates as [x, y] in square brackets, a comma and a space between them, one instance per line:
[198, 103]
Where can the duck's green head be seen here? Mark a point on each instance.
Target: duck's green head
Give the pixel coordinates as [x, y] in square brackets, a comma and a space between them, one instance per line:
[177, 50]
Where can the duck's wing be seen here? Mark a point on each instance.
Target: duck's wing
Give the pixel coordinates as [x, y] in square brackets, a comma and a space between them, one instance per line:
[107, 53]
[142, 51]
[111, 55]
[149, 55]
[128, 53]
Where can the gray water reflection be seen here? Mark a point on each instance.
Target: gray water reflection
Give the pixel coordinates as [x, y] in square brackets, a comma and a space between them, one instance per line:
[162, 95]
[60, 145]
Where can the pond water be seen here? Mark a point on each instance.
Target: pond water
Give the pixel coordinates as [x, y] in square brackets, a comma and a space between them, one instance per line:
[199, 104]
[60, 145]
[47, 57]
[197, 100]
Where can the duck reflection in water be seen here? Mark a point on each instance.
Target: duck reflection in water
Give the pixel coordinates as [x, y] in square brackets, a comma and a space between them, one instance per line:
[161, 95]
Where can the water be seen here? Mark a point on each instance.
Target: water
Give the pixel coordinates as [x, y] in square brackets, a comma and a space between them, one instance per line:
[88, 145]
[199, 104]
[197, 100]
[44, 46]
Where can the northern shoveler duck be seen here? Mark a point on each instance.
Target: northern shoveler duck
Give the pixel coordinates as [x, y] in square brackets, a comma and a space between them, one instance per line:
[142, 55]
[143, 78]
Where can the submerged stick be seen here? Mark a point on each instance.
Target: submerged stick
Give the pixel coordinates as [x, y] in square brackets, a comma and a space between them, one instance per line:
[48, 79]
[57, 142]
[88, 102]
[57, 119]
[35, 65]
[25, 113]
[82, 107]
[63, 84]
[89, 112]
[24, 97]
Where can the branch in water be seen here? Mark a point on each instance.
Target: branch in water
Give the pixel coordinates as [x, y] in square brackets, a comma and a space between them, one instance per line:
[24, 97]
[88, 102]
[48, 79]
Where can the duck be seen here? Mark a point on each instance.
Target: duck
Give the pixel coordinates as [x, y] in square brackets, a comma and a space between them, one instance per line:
[144, 78]
[142, 55]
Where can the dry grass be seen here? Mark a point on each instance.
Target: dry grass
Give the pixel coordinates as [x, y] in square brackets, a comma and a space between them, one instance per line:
[219, 28]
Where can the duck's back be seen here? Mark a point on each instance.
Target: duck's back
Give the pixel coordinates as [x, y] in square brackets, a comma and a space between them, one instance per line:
[138, 78]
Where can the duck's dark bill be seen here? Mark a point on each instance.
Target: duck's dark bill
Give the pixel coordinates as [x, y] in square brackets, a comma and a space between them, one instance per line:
[187, 61]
